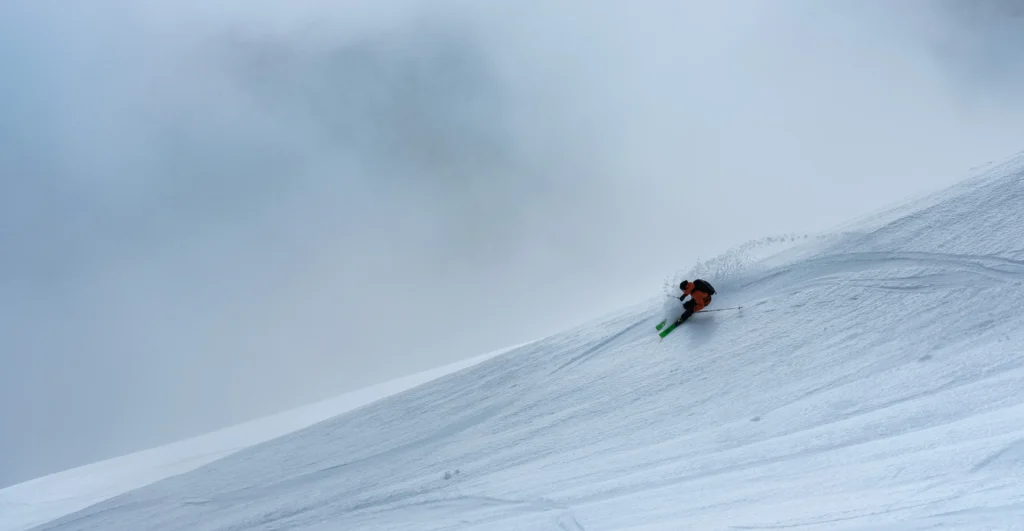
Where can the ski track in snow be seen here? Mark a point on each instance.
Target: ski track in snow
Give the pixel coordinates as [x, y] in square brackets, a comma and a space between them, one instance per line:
[873, 383]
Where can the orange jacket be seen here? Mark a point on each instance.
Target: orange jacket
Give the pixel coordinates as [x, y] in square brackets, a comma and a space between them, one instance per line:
[700, 298]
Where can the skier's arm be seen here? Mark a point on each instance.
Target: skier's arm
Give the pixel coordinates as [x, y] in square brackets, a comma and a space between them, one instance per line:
[683, 286]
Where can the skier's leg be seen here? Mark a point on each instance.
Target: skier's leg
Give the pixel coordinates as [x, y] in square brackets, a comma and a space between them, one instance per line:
[688, 306]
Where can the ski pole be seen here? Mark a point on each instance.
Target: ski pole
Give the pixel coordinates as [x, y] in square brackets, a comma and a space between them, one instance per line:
[715, 310]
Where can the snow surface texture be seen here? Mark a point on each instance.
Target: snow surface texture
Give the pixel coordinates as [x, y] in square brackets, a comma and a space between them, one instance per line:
[873, 380]
[38, 501]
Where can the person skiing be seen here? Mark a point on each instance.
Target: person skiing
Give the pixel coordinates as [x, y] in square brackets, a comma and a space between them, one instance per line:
[700, 292]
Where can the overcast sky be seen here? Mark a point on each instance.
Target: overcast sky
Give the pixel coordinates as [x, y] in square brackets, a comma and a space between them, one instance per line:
[215, 210]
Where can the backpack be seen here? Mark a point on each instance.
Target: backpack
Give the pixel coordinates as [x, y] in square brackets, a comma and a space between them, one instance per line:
[704, 286]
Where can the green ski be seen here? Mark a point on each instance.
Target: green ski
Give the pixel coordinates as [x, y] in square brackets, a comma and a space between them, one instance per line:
[667, 330]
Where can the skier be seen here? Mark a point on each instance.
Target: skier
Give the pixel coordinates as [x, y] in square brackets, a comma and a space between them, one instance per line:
[700, 292]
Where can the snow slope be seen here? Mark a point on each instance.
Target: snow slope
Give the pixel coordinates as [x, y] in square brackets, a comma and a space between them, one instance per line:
[38, 501]
[873, 380]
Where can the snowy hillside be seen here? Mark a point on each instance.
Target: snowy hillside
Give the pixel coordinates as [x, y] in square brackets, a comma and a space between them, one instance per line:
[873, 380]
[43, 499]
